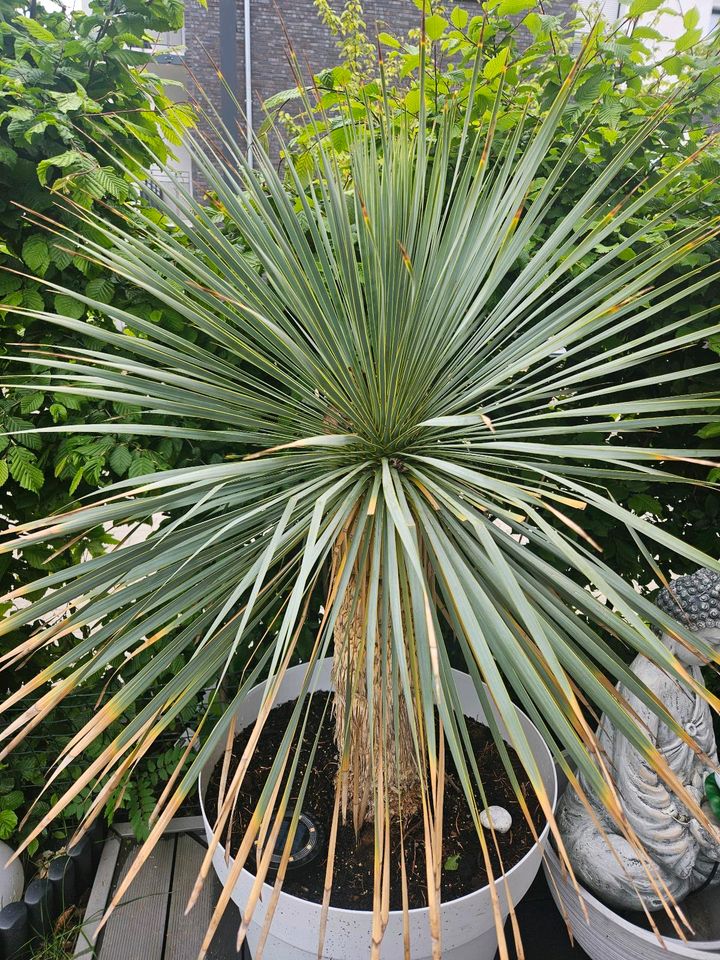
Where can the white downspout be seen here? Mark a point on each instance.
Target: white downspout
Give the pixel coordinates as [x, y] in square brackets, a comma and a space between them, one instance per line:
[248, 82]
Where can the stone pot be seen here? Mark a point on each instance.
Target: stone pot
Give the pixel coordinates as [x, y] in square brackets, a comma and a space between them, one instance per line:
[468, 928]
[608, 936]
[12, 878]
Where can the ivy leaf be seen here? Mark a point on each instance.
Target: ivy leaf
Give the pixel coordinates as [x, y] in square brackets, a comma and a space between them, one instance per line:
[36, 254]
[68, 306]
[24, 469]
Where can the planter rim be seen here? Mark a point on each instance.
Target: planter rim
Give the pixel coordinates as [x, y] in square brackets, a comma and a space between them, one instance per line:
[415, 911]
[692, 949]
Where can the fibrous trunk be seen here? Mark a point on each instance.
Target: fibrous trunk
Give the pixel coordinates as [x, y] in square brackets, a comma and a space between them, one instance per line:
[385, 753]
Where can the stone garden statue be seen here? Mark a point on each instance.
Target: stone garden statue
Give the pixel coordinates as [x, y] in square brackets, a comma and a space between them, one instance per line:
[686, 855]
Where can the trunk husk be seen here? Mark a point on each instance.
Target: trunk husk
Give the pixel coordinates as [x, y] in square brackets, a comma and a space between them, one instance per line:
[359, 776]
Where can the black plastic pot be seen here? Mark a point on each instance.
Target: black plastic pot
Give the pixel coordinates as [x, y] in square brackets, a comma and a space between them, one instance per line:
[61, 876]
[81, 854]
[15, 932]
[41, 906]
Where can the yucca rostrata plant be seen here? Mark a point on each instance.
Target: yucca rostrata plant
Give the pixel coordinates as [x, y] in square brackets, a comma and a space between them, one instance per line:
[429, 412]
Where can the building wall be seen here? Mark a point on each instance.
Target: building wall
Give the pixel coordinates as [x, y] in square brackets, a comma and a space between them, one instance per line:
[274, 25]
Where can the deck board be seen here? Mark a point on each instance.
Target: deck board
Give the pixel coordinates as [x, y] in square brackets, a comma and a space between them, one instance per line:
[185, 933]
[137, 926]
[150, 924]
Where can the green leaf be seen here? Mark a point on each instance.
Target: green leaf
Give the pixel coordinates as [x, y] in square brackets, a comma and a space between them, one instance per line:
[509, 8]
[36, 254]
[412, 100]
[709, 430]
[647, 33]
[120, 460]
[68, 306]
[641, 503]
[691, 18]
[459, 17]
[32, 299]
[4, 472]
[435, 26]
[688, 39]
[67, 101]
[62, 161]
[23, 468]
[495, 66]
[36, 30]
[29, 402]
[452, 863]
[639, 7]
[11, 801]
[101, 288]
[8, 823]
[388, 40]
[60, 255]
[75, 482]
[140, 466]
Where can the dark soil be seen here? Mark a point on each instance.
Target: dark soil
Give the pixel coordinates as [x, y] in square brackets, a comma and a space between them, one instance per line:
[353, 870]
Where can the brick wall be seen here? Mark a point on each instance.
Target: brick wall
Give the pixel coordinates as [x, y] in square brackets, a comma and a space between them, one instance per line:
[270, 20]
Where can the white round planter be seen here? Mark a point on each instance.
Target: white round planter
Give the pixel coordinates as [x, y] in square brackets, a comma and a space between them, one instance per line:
[468, 928]
[12, 878]
[608, 936]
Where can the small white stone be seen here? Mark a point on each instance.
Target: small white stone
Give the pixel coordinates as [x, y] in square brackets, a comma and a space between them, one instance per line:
[497, 817]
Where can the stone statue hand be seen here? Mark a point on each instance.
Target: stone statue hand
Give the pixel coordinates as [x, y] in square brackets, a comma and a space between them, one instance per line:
[684, 865]
[708, 842]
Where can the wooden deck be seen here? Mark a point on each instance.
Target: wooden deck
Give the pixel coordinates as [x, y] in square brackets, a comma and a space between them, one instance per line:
[149, 923]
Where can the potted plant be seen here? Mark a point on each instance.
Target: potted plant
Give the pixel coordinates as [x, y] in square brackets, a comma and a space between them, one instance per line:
[422, 406]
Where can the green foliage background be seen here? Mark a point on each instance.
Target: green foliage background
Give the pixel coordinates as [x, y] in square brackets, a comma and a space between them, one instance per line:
[77, 91]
